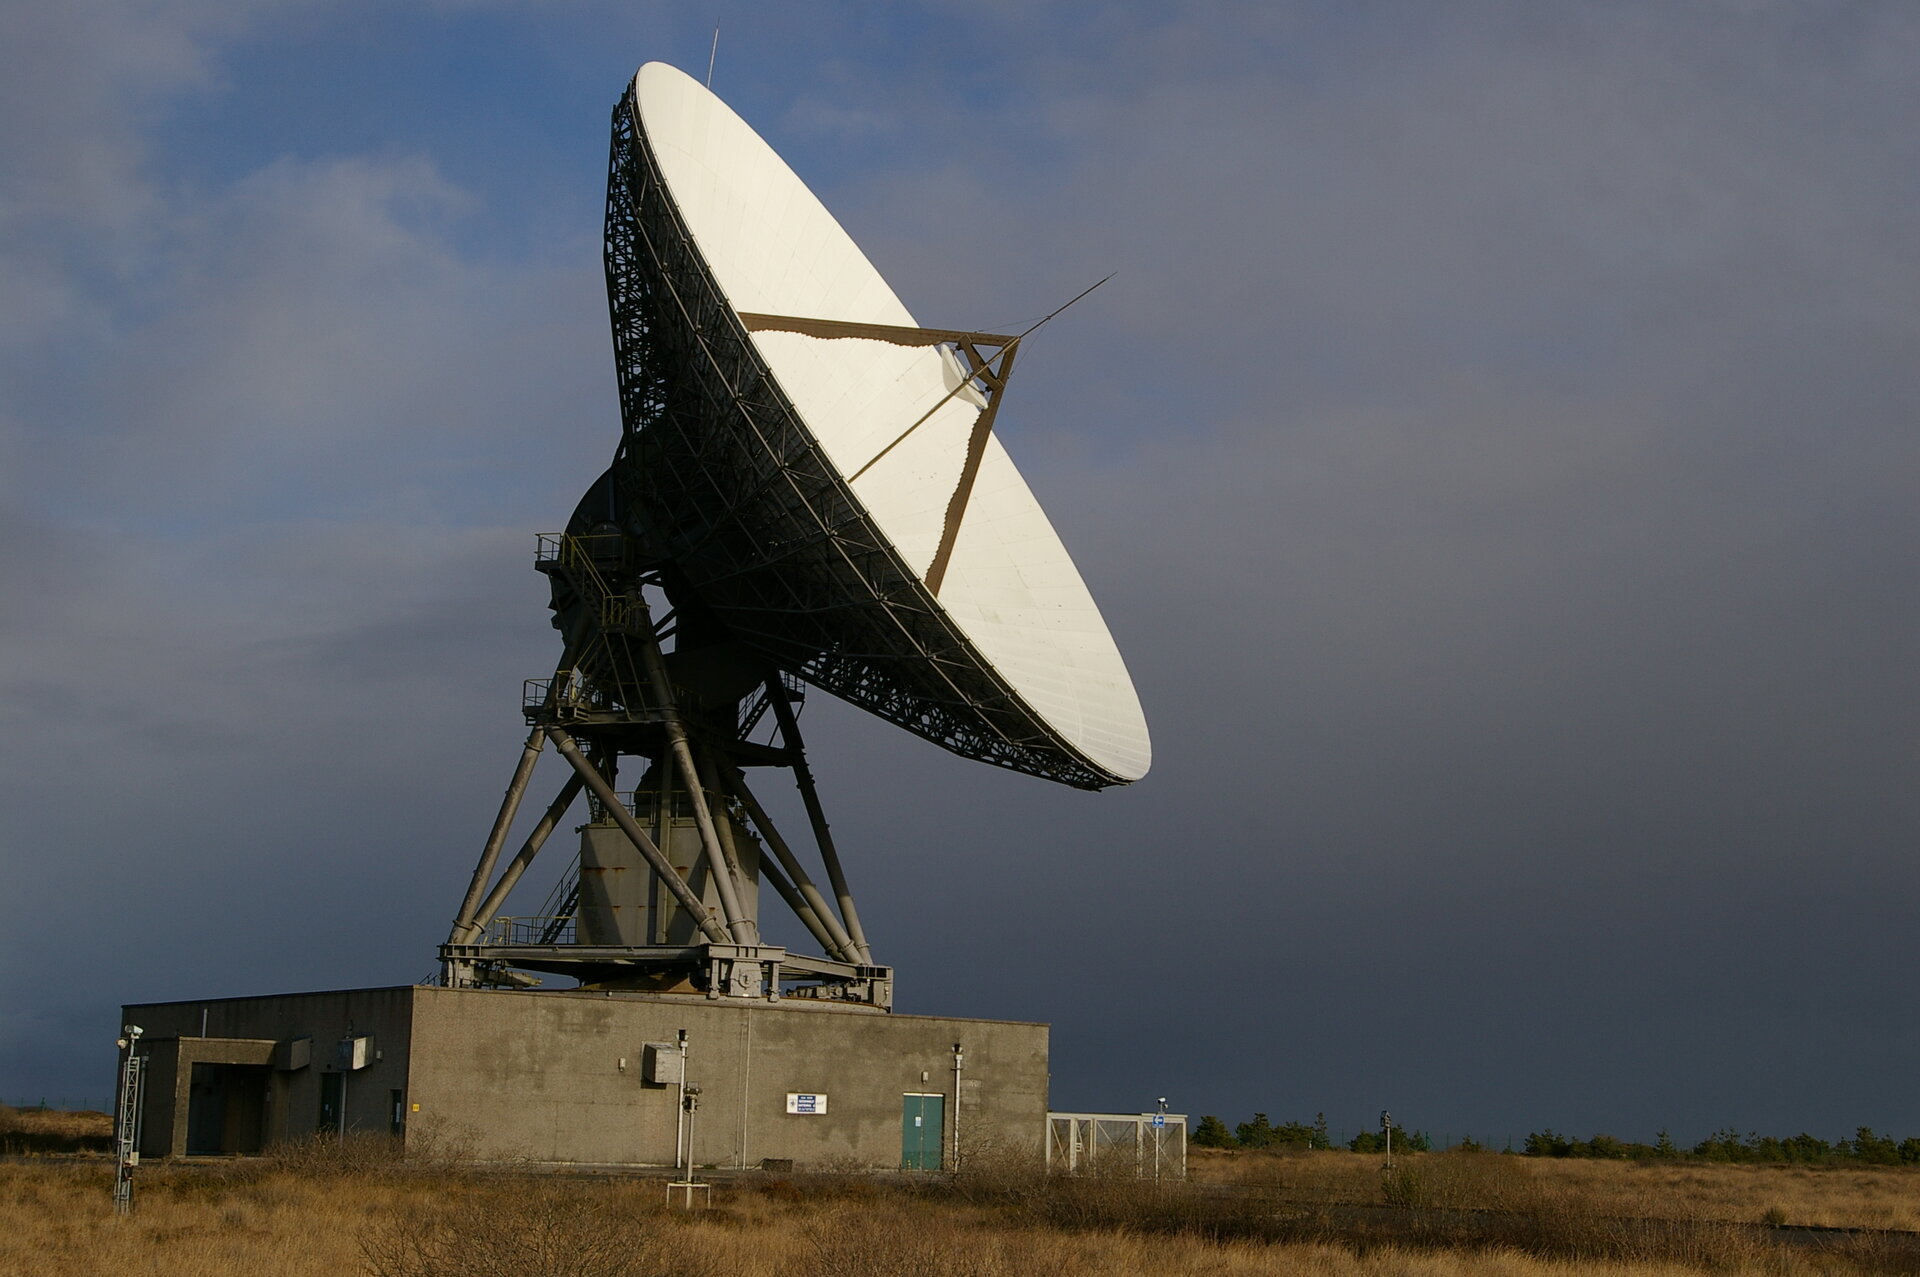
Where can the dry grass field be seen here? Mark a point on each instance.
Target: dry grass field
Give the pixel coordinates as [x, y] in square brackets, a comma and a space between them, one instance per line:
[1835, 1197]
[54, 1131]
[334, 1210]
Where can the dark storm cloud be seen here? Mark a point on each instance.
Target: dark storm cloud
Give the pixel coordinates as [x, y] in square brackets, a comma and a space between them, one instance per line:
[1494, 454]
[1507, 511]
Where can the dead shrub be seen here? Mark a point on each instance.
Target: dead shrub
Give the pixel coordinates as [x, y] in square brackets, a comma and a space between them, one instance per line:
[1113, 1199]
[1406, 1184]
[998, 1171]
[329, 1156]
[429, 1149]
[1462, 1181]
[435, 1145]
[532, 1230]
[842, 1243]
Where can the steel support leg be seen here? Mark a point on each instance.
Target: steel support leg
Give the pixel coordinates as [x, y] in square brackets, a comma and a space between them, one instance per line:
[662, 831]
[662, 867]
[509, 808]
[723, 827]
[801, 909]
[838, 943]
[726, 874]
[518, 865]
[803, 777]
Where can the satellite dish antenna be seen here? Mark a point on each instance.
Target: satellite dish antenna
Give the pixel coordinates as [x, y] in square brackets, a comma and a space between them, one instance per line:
[810, 482]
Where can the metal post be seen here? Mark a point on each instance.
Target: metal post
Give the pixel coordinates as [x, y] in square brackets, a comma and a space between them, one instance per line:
[636, 835]
[1159, 1133]
[1386, 1125]
[680, 1111]
[524, 857]
[497, 837]
[803, 777]
[957, 1057]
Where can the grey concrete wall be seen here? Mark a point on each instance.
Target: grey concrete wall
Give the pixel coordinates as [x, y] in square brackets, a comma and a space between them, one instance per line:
[537, 1075]
[174, 1039]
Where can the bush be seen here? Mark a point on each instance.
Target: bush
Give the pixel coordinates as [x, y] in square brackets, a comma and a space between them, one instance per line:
[991, 1170]
[1260, 1133]
[531, 1230]
[1213, 1133]
[1875, 1150]
[1403, 1142]
[429, 1148]
[1723, 1146]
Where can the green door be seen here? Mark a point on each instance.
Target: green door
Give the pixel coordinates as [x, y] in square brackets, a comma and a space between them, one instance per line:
[923, 1120]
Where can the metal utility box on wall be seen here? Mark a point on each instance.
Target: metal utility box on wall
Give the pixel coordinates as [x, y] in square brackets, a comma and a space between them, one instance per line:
[532, 1075]
[660, 1063]
[293, 1054]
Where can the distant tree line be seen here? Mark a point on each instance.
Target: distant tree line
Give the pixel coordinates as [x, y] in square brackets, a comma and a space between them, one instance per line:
[1865, 1148]
[1262, 1133]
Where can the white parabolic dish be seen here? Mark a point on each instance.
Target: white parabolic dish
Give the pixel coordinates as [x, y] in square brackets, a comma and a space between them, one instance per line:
[773, 248]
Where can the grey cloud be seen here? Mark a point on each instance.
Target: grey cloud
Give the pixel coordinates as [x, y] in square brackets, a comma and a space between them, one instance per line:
[1494, 455]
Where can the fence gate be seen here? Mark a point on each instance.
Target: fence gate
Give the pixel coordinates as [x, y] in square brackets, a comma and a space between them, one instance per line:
[1151, 1145]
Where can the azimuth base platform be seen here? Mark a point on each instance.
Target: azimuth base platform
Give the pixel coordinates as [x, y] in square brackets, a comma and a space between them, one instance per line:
[766, 972]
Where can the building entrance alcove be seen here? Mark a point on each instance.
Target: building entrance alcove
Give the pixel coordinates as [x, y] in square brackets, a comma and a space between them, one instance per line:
[227, 1108]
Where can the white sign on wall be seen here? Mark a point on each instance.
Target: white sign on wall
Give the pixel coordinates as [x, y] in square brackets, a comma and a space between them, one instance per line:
[801, 1102]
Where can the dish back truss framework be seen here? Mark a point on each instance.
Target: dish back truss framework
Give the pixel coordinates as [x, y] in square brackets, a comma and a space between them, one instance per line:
[722, 503]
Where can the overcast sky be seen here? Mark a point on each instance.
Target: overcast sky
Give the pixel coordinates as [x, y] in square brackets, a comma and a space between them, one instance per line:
[1496, 456]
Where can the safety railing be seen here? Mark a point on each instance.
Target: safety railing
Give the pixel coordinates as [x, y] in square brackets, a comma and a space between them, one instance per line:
[531, 929]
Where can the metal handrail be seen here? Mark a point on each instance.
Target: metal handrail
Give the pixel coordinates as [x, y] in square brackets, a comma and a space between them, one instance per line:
[531, 929]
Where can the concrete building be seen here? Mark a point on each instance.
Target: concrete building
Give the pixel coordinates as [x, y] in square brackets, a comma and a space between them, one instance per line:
[590, 1077]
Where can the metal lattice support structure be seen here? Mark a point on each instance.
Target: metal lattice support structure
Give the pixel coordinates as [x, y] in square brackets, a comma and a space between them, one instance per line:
[740, 499]
[126, 1119]
[613, 695]
[1151, 1145]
